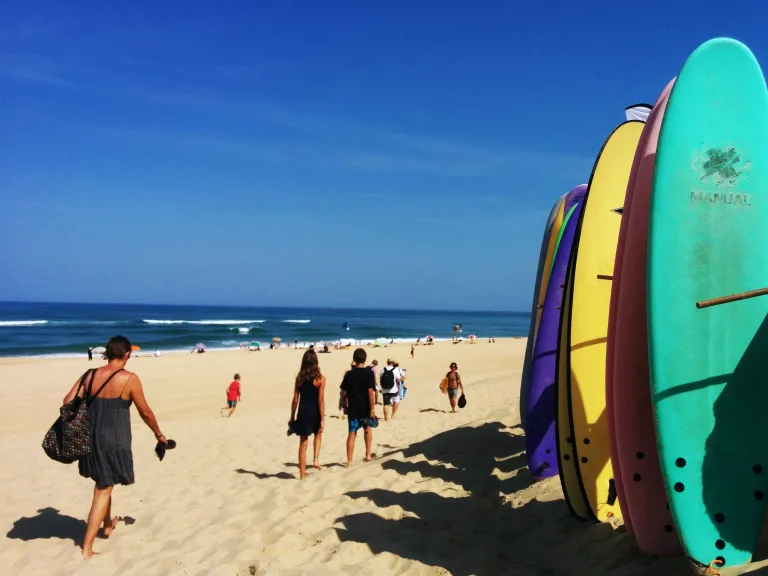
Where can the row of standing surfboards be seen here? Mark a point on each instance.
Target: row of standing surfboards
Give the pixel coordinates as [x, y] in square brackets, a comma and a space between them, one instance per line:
[643, 388]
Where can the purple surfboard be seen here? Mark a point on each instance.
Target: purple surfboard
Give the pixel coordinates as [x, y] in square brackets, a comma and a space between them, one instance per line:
[573, 197]
[540, 441]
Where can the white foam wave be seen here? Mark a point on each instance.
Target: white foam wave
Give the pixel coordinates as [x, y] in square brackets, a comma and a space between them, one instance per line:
[297, 321]
[243, 330]
[208, 322]
[11, 323]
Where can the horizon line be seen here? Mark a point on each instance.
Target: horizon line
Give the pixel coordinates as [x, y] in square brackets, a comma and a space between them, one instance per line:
[268, 307]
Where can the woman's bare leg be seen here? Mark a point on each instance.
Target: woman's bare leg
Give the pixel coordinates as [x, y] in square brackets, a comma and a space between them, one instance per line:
[303, 442]
[99, 508]
[317, 443]
[453, 403]
[110, 522]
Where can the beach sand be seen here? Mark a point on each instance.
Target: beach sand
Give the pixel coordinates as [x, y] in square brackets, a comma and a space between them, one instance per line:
[446, 494]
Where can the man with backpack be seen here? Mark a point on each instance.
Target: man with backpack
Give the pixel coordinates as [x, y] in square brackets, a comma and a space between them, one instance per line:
[390, 387]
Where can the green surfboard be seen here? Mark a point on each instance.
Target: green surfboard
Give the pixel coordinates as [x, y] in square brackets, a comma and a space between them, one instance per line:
[708, 237]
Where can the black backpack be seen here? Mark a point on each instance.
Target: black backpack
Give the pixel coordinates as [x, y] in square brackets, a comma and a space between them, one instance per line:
[388, 379]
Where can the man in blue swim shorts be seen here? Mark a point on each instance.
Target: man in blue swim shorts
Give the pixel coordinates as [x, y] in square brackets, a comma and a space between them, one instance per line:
[357, 389]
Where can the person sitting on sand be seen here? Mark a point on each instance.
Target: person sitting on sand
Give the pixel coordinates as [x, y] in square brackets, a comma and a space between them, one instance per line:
[454, 385]
[358, 386]
[309, 398]
[111, 390]
[234, 395]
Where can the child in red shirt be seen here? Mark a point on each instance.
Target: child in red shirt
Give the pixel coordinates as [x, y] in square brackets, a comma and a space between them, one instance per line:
[233, 397]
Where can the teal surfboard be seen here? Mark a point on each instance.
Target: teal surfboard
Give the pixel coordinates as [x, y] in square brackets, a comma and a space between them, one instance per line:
[708, 238]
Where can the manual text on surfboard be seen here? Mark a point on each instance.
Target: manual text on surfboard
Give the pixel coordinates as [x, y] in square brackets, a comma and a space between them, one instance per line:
[721, 198]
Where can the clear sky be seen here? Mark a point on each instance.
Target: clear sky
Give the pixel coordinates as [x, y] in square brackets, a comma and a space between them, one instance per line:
[371, 154]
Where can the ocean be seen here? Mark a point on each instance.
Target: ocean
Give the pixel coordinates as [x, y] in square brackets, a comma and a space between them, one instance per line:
[39, 329]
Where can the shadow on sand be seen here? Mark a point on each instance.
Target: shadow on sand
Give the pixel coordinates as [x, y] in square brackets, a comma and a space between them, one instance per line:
[264, 476]
[49, 523]
[485, 520]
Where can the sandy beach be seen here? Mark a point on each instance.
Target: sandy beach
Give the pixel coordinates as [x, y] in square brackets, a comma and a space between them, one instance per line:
[446, 494]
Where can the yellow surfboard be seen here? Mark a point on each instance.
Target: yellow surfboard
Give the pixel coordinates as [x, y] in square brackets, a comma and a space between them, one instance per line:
[569, 476]
[597, 236]
[556, 224]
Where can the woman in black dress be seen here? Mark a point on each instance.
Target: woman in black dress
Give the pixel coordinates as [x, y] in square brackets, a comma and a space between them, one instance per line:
[309, 398]
[111, 390]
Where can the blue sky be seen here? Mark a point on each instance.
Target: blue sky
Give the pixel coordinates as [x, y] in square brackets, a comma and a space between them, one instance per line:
[398, 154]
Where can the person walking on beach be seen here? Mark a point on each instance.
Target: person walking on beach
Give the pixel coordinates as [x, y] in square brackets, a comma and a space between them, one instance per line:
[374, 368]
[412, 351]
[358, 387]
[454, 386]
[90, 354]
[110, 391]
[403, 389]
[390, 381]
[309, 398]
[234, 395]
[342, 401]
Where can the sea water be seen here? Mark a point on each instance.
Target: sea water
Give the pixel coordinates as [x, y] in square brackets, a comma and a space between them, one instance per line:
[35, 329]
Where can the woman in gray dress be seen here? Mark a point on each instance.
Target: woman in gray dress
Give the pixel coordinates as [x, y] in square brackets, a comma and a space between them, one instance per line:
[111, 390]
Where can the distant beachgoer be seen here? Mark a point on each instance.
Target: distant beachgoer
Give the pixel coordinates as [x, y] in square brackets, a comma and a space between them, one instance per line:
[358, 387]
[454, 386]
[400, 374]
[412, 350]
[111, 390]
[389, 380]
[309, 398]
[374, 369]
[90, 354]
[234, 395]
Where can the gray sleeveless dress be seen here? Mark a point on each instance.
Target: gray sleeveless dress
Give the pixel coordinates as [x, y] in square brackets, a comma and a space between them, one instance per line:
[110, 461]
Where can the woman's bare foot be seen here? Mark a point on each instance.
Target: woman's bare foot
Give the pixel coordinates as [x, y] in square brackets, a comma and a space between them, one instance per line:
[316, 463]
[110, 527]
[88, 554]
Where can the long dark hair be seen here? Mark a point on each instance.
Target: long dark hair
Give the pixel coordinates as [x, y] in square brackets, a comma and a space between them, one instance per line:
[310, 368]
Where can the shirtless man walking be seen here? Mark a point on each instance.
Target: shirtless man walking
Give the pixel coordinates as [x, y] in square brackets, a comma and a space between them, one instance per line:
[454, 386]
